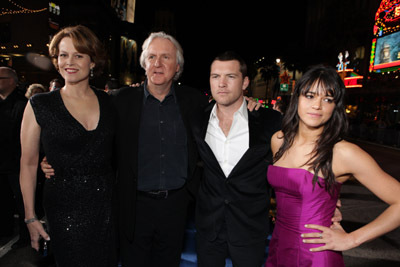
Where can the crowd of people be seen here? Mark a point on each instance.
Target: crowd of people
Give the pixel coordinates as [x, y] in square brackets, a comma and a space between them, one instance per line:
[125, 169]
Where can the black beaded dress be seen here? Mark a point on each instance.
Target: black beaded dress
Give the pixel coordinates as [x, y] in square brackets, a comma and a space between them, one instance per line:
[78, 199]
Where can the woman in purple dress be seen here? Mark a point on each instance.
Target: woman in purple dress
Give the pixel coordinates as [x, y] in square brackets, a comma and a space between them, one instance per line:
[311, 161]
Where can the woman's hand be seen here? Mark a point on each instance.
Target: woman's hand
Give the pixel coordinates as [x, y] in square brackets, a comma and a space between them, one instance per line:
[334, 238]
[36, 232]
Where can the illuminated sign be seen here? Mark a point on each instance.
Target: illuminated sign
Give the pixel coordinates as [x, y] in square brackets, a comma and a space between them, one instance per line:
[372, 58]
[387, 51]
[387, 18]
[350, 78]
[54, 8]
[392, 14]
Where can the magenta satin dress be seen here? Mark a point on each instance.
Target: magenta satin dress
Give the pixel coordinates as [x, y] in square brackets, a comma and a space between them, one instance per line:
[299, 203]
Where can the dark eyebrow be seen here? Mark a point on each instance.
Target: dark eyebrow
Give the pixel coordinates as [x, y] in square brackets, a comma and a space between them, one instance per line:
[315, 93]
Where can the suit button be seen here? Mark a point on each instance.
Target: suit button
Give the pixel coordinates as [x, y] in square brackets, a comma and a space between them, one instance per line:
[227, 181]
[227, 201]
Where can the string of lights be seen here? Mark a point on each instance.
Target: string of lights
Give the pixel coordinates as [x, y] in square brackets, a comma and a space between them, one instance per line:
[22, 10]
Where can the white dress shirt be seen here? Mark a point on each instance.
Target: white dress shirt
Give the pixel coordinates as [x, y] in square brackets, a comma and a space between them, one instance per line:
[229, 149]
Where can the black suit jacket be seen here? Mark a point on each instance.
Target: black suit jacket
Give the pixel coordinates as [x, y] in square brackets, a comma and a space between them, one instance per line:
[242, 199]
[128, 102]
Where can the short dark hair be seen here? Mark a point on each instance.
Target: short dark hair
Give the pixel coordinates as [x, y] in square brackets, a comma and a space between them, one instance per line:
[232, 55]
[55, 80]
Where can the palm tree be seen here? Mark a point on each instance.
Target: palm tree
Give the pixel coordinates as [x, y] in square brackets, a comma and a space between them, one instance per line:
[270, 72]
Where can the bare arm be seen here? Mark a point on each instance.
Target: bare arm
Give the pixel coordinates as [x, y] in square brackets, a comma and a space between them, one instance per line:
[276, 142]
[353, 160]
[30, 141]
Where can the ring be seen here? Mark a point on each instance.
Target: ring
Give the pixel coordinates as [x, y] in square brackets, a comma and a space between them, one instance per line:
[320, 235]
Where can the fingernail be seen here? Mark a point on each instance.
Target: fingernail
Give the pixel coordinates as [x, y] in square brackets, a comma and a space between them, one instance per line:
[304, 241]
[306, 225]
[302, 235]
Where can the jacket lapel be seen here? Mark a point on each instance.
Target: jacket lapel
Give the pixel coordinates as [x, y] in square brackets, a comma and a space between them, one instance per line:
[255, 129]
[206, 118]
[256, 140]
[134, 114]
[211, 159]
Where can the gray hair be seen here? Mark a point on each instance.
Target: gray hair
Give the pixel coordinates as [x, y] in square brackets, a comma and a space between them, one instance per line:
[179, 51]
[12, 73]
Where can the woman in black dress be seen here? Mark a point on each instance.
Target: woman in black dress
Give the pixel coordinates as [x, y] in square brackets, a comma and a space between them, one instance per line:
[76, 126]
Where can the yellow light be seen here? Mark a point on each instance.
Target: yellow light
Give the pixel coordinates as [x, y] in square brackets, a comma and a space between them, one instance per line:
[22, 10]
[354, 78]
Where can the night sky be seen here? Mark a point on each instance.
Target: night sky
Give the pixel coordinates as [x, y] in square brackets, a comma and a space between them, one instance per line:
[252, 28]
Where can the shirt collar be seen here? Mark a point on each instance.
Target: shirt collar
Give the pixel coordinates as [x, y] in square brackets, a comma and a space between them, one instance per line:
[242, 111]
[147, 93]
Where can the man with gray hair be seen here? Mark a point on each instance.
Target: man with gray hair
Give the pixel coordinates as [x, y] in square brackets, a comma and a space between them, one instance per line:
[156, 157]
[12, 105]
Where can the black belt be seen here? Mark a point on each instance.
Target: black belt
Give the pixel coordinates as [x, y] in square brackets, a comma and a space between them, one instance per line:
[159, 193]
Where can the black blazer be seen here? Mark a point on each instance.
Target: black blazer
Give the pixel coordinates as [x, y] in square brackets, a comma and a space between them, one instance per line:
[128, 102]
[242, 199]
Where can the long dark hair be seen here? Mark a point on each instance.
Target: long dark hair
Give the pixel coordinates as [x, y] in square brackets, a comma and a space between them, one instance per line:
[326, 79]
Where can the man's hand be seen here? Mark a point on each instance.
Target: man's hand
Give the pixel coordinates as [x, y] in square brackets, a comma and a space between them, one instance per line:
[46, 168]
[136, 84]
[252, 104]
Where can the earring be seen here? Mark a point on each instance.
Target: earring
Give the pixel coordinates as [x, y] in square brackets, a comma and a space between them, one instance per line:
[91, 73]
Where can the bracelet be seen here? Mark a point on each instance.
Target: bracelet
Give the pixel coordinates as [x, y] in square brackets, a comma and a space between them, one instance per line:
[31, 220]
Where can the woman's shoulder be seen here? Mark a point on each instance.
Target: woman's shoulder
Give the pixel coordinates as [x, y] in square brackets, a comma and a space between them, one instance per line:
[43, 98]
[278, 136]
[347, 153]
[276, 141]
[346, 148]
[45, 95]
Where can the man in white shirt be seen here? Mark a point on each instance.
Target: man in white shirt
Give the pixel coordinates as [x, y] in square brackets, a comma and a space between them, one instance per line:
[228, 138]
[234, 144]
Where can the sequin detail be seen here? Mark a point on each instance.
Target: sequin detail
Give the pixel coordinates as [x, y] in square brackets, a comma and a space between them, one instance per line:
[77, 200]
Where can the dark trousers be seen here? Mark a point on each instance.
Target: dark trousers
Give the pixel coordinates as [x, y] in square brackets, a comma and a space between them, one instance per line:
[11, 201]
[159, 230]
[213, 253]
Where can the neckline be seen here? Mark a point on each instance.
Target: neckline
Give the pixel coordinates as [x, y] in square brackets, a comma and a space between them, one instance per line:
[73, 118]
[290, 168]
